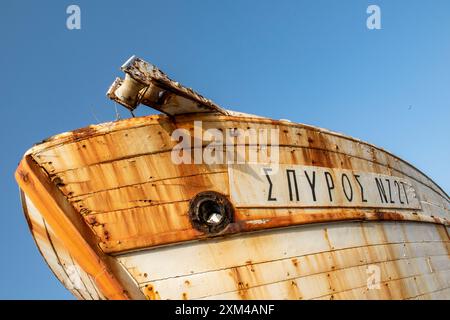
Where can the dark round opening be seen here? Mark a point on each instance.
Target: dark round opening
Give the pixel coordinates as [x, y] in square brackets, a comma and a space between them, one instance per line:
[210, 212]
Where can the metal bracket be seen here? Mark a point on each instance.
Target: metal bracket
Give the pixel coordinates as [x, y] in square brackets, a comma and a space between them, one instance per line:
[145, 84]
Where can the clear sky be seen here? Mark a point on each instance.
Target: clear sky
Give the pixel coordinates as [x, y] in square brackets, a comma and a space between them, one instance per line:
[312, 62]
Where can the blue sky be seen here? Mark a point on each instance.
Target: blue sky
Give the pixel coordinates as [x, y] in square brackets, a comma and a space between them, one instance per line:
[312, 62]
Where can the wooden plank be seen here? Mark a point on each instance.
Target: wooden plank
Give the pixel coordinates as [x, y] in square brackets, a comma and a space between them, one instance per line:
[152, 193]
[258, 247]
[334, 282]
[128, 172]
[255, 275]
[399, 289]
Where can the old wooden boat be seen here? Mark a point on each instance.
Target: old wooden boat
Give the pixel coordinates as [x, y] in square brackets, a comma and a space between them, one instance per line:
[176, 206]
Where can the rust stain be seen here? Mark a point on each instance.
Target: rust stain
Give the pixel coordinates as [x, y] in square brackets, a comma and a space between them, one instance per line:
[395, 268]
[23, 176]
[241, 286]
[443, 233]
[250, 265]
[82, 133]
[293, 290]
[325, 232]
[150, 293]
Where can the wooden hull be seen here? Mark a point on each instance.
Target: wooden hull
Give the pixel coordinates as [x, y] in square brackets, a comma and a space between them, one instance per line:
[117, 197]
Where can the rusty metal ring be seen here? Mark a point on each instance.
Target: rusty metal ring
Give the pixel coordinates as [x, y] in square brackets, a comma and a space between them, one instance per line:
[210, 212]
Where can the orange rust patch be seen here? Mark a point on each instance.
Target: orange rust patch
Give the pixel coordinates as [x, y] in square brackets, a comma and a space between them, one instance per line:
[23, 175]
[325, 231]
[293, 290]
[250, 266]
[150, 293]
[241, 286]
[443, 233]
[82, 133]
